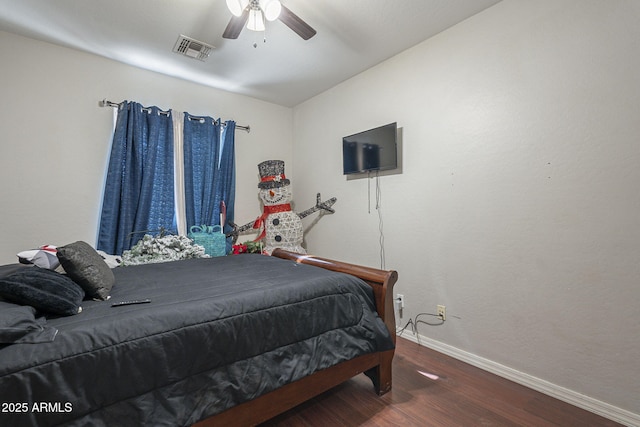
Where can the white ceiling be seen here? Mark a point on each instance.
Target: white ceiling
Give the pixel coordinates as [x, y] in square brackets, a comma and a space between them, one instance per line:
[352, 35]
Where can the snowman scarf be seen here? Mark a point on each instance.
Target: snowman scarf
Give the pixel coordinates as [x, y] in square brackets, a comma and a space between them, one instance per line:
[268, 210]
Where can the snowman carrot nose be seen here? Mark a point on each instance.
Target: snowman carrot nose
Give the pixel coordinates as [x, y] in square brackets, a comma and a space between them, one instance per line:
[272, 193]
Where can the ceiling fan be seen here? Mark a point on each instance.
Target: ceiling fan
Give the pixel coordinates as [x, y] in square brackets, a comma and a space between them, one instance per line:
[254, 12]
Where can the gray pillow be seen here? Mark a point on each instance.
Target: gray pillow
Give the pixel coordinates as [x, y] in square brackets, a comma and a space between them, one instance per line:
[85, 266]
[43, 289]
[18, 325]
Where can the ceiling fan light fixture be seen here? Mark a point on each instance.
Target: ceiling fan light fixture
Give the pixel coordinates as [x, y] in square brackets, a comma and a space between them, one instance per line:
[254, 13]
[271, 8]
[256, 20]
[237, 6]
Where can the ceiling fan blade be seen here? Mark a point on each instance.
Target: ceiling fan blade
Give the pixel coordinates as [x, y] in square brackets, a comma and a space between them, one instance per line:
[236, 25]
[294, 22]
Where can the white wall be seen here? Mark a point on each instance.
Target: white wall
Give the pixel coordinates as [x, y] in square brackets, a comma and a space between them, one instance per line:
[55, 139]
[518, 207]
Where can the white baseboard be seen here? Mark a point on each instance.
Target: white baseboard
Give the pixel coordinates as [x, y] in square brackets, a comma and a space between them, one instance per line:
[574, 398]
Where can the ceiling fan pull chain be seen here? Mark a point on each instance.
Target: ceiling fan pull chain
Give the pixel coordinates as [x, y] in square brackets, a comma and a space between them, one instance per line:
[264, 35]
[264, 32]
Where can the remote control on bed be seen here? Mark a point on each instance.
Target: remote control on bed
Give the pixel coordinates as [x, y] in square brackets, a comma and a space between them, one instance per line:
[134, 301]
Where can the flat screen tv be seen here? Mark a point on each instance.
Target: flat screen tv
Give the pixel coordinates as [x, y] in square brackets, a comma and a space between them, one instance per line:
[371, 150]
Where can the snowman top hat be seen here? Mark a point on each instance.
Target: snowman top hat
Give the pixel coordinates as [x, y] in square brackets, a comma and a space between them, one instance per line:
[272, 174]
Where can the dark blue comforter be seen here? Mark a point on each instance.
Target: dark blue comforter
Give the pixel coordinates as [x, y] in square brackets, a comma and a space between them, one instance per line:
[217, 332]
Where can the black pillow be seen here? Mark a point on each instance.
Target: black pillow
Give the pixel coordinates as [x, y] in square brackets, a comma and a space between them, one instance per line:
[6, 270]
[18, 325]
[87, 268]
[44, 289]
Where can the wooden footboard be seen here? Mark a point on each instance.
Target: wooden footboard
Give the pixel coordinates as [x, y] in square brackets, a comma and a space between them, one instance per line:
[377, 365]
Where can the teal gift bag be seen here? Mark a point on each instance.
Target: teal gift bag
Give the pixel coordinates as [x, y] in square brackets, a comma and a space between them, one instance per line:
[210, 237]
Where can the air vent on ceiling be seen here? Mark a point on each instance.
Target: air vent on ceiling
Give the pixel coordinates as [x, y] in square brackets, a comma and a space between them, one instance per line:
[192, 48]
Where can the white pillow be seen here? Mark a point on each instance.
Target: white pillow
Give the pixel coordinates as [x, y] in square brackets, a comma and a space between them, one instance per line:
[43, 257]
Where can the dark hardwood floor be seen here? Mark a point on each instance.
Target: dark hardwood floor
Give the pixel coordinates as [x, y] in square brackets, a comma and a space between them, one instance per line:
[431, 389]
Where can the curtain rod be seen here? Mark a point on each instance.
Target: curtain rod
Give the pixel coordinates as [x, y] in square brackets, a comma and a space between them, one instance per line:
[106, 103]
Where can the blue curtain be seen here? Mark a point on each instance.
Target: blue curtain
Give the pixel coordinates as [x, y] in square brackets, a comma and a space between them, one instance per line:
[209, 170]
[139, 189]
[201, 154]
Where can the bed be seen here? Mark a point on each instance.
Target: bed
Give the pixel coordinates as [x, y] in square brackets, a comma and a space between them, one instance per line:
[232, 340]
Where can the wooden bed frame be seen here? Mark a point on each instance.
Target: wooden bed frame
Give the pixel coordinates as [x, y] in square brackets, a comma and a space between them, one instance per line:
[278, 401]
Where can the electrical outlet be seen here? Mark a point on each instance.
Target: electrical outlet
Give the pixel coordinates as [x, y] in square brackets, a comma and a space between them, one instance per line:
[442, 312]
[400, 301]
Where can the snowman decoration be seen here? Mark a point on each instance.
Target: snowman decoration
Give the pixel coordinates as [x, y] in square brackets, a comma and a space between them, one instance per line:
[279, 226]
